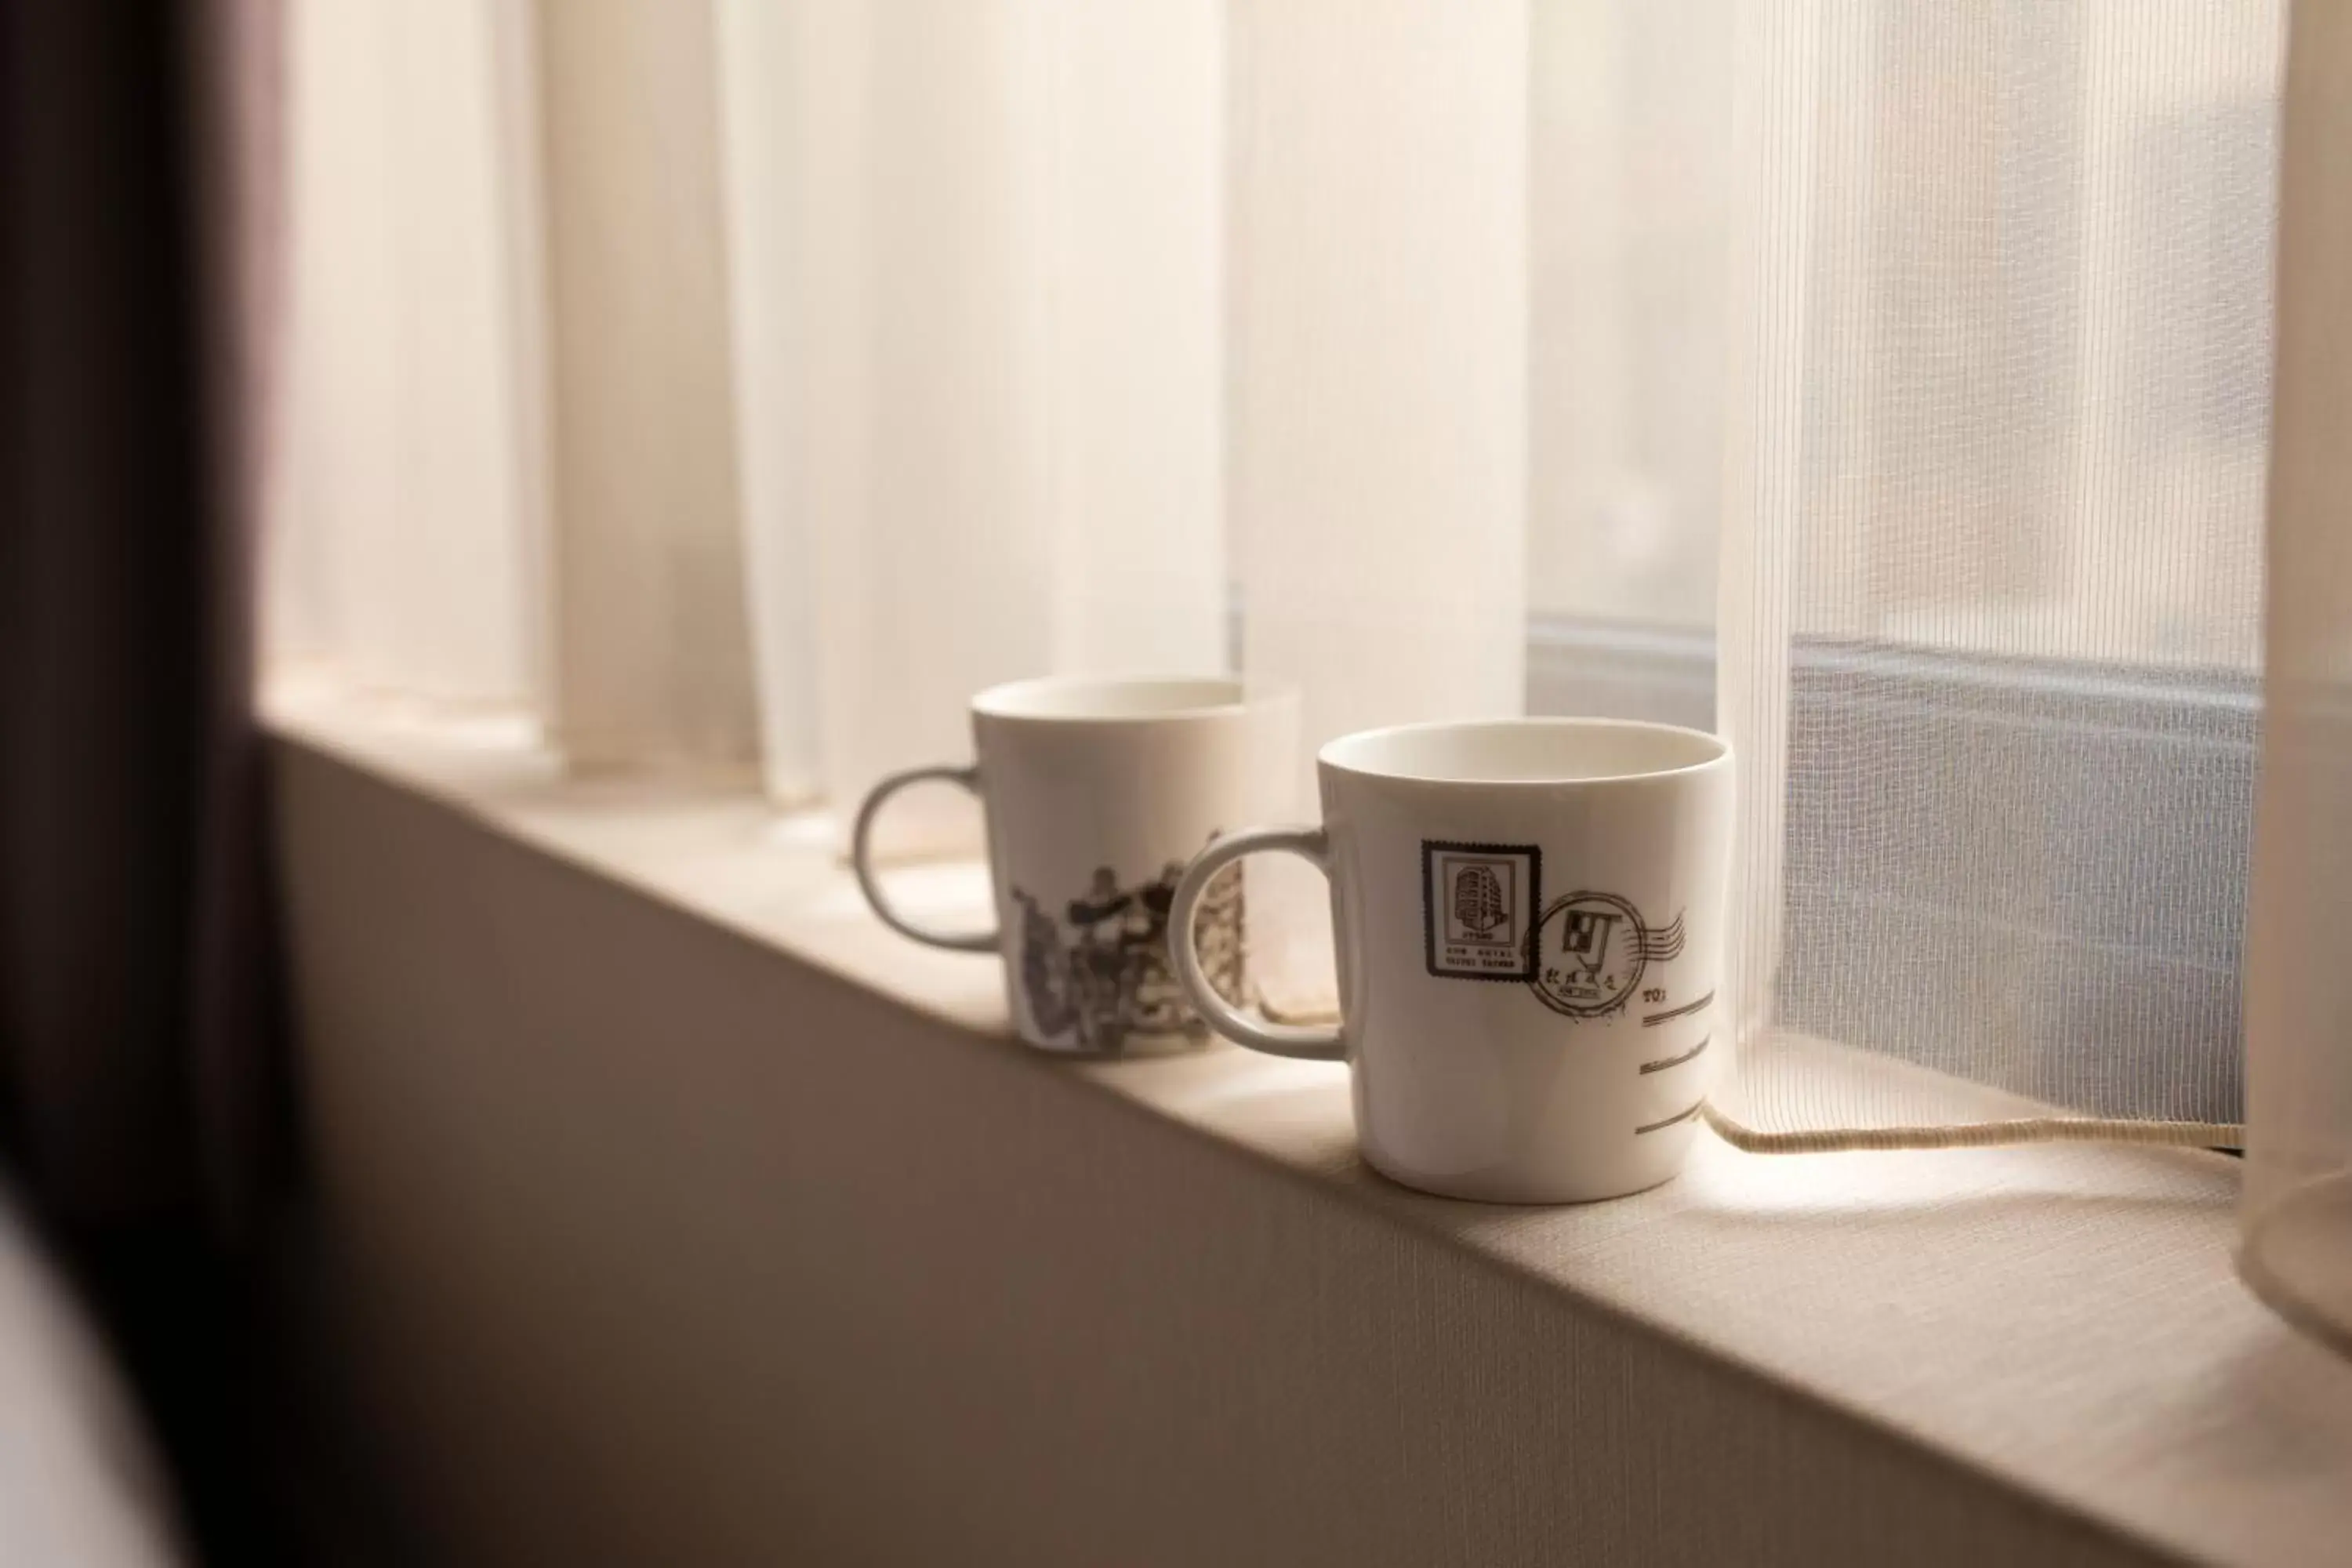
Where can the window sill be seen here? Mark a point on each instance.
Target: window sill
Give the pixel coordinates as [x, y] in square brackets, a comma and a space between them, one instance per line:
[2052, 1336]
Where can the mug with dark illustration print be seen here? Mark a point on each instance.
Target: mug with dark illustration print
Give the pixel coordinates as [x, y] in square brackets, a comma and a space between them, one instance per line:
[1098, 792]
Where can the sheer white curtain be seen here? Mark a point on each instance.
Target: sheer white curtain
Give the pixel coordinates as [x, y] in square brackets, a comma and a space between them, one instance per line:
[859, 353]
[1991, 564]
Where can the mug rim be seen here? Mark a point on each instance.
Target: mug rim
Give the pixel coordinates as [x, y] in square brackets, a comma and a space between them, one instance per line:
[1331, 753]
[1236, 694]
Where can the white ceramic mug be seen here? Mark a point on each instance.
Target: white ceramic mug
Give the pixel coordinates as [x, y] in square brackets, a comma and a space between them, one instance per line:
[1530, 927]
[1098, 792]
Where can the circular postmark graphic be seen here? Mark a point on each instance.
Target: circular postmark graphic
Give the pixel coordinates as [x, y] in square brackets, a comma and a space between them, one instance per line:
[1587, 952]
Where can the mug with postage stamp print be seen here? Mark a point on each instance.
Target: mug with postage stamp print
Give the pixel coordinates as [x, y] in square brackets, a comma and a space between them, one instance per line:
[1530, 933]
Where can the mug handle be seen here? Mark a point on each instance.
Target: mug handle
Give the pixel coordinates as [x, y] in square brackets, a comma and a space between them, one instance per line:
[1275, 1040]
[861, 860]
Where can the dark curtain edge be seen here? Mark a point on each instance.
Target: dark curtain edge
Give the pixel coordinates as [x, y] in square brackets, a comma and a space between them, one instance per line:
[236, 1059]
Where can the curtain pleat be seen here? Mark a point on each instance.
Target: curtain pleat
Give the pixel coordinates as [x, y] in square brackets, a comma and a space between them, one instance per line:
[1629, 183]
[650, 658]
[980, 267]
[403, 515]
[1378, 192]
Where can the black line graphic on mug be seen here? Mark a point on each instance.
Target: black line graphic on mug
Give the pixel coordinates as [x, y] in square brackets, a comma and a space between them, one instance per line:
[1676, 1120]
[1101, 972]
[1668, 1064]
[1652, 1020]
[1476, 901]
[1589, 951]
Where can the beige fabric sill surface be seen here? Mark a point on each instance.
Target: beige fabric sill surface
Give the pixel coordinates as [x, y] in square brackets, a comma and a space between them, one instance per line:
[2066, 1319]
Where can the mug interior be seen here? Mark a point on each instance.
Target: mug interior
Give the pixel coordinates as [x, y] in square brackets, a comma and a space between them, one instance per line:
[1524, 751]
[1109, 697]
